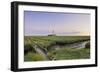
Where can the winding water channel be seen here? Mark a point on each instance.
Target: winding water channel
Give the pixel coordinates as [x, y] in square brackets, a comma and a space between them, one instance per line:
[77, 45]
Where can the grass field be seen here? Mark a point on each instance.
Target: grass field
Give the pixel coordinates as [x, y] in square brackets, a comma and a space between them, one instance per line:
[63, 53]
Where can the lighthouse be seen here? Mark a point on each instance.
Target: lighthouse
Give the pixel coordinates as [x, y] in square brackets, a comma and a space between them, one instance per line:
[52, 32]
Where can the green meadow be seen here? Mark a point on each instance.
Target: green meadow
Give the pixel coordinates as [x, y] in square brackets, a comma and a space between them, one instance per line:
[43, 48]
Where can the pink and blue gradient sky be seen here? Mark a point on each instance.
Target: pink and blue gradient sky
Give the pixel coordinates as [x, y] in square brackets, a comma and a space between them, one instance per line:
[65, 24]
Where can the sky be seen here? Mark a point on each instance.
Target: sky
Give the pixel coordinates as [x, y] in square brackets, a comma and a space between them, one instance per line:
[62, 24]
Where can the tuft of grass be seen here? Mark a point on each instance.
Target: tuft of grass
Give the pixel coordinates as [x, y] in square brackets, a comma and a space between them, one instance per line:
[33, 57]
[68, 54]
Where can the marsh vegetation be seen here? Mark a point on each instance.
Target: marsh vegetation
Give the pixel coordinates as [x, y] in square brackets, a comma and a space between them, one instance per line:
[45, 48]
